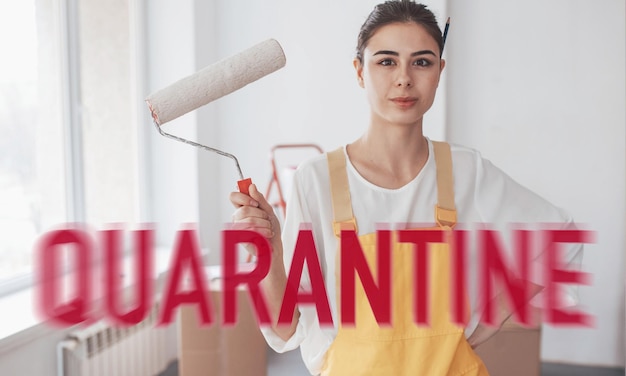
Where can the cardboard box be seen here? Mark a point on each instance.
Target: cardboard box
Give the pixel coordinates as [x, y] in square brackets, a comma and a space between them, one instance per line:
[238, 350]
[514, 351]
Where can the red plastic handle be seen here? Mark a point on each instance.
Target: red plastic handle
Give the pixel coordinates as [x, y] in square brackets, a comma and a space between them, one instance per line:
[244, 185]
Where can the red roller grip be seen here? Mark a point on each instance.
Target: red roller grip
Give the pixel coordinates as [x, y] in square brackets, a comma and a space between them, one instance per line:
[244, 185]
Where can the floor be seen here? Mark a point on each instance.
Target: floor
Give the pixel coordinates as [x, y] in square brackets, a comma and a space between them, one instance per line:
[290, 364]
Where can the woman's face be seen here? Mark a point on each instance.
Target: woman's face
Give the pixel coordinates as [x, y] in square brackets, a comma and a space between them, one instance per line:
[400, 73]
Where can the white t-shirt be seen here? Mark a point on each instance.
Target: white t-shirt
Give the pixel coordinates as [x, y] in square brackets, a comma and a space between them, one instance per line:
[483, 195]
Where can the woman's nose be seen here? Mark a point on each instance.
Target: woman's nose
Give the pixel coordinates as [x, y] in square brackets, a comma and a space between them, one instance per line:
[404, 83]
[404, 78]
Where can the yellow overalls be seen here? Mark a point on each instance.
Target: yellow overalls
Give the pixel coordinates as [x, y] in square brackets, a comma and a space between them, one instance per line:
[404, 348]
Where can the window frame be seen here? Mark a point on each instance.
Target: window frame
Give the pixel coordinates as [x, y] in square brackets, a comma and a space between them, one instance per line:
[66, 16]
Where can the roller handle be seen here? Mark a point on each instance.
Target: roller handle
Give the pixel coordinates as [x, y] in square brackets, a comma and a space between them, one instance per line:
[244, 186]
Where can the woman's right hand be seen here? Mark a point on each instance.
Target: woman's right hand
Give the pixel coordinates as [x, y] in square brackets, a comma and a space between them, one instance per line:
[254, 213]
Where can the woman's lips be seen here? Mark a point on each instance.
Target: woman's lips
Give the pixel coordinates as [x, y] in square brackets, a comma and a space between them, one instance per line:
[404, 102]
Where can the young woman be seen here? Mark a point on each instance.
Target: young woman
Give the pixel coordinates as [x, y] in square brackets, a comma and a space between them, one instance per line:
[392, 176]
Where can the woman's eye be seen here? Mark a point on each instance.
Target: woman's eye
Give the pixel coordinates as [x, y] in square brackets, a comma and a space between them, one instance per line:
[386, 62]
[421, 62]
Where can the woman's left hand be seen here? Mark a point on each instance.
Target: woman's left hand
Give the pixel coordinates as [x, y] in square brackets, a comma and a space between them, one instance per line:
[504, 313]
[482, 334]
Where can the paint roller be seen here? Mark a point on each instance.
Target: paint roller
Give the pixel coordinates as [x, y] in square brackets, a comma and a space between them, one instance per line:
[211, 83]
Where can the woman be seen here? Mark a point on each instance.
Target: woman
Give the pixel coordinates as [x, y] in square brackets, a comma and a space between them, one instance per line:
[391, 175]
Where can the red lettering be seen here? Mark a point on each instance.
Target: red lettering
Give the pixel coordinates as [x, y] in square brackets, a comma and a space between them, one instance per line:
[556, 273]
[232, 278]
[50, 247]
[353, 259]
[68, 307]
[186, 255]
[143, 245]
[305, 252]
[459, 301]
[516, 287]
[420, 238]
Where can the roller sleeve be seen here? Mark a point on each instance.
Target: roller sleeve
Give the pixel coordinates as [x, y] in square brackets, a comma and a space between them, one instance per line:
[216, 81]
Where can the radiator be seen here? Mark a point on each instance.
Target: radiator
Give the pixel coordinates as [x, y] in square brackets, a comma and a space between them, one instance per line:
[105, 350]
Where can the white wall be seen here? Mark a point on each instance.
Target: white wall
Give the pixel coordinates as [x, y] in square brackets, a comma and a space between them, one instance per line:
[18, 360]
[538, 87]
[171, 54]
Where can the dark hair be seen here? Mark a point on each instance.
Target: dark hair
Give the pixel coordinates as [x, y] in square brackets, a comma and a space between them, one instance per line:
[398, 11]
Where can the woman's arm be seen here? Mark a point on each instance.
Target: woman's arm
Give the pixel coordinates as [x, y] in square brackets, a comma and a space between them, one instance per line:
[501, 201]
[254, 213]
[483, 332]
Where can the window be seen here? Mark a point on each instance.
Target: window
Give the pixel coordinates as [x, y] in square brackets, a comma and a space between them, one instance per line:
[68, 144]
[31, 153]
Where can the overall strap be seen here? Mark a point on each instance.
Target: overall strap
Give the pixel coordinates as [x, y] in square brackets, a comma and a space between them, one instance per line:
[445, 211]
[343, 218]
